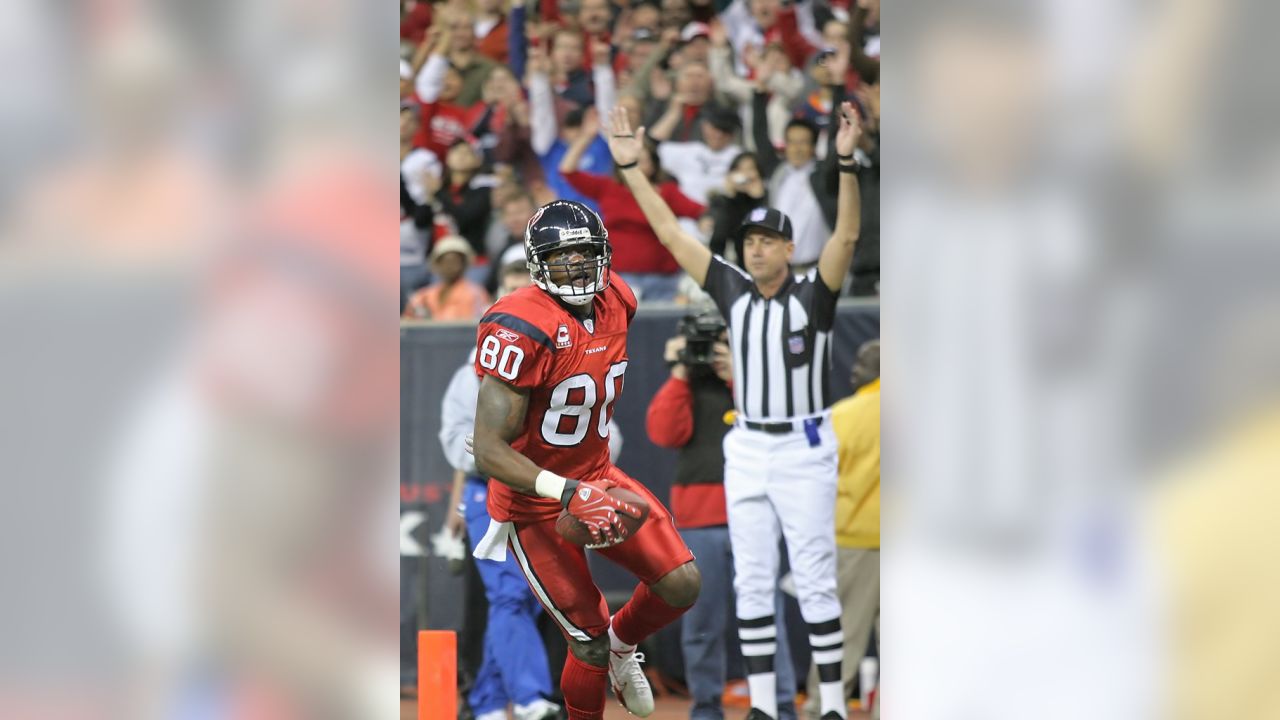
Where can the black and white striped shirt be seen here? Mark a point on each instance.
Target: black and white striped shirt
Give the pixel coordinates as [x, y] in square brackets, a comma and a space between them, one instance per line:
[781, 346]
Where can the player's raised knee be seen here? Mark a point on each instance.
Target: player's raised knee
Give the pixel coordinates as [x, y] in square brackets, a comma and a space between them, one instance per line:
[680, 587]
[592, 652]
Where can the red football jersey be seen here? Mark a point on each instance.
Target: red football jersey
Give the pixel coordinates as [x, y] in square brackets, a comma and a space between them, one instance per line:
[574, 370]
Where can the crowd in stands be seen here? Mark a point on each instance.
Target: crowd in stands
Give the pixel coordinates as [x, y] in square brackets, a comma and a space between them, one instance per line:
[501, 108]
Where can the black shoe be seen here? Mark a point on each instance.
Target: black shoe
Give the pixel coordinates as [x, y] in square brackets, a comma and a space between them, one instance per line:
[758, 714]
[831, 715]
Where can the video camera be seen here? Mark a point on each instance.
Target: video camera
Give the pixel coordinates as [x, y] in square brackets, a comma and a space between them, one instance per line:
[701, 332]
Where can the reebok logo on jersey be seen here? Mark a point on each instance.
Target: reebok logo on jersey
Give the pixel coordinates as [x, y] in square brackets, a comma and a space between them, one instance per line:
[507, 335]
[602, 348]
[562, 337]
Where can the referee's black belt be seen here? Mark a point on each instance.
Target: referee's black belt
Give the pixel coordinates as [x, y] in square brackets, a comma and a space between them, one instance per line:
[779, 428]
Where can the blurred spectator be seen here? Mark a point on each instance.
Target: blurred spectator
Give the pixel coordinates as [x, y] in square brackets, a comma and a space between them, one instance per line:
[419, 167]
[594, 18]
[774, 73]
[744, 190]
[800, 186]
[695, 43]
[550, 139]
[513, 216]
[419, 179]
[864, 36]
[865, 273]
[447, 116]
[406, 80]
[644, 16]
[502, 130]
[465, 195]
[682, 119]
[676, 14]
[856, 423]
[416, 226]
[491, 31]
[700, 166]
[638, 256]
[456, 27]
[569, 77]
[753, 24]
[823, 75]
[452, 296]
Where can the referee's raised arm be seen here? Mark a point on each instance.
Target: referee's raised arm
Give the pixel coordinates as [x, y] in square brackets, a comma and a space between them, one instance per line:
[836, 256]
[626, 146]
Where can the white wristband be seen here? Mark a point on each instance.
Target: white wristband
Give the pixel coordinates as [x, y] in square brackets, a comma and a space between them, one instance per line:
[549, 485]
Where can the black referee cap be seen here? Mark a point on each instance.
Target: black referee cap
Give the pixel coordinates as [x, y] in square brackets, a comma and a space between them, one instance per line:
[767, 219]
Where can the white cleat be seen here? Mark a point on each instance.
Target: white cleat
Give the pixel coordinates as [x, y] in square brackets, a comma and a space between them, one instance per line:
[630, 685]
[537, 710]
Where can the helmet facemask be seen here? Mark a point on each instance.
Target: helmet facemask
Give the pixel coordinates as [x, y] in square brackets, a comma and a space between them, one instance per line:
[583, 278]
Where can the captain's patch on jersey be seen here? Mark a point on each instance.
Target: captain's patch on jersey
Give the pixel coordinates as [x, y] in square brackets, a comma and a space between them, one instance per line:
[562, 337]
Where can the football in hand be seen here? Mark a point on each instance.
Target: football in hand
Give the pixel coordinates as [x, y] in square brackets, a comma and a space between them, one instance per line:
[573, 530]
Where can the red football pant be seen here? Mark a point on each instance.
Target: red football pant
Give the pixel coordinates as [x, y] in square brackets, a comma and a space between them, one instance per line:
[558, 573]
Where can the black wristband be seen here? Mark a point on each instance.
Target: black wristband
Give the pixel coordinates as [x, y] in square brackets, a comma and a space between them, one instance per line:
[844, 158]
[852, 168]
[628, 166]
[569, 487]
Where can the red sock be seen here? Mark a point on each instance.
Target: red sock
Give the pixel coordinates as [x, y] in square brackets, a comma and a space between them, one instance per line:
[583, 687]
[643, 615]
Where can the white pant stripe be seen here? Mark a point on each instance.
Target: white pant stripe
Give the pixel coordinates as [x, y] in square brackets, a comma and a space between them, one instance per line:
[757, 649]
[757, 633]
[574, 631]
[828, 639]
[826, 657]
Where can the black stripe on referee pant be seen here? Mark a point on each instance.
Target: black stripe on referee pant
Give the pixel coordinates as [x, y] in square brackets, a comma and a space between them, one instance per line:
[826, 636]
[759, 639]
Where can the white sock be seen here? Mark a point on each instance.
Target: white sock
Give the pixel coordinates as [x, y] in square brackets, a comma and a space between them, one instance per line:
[764, 692]
[615, 644]
[826, 643]
[832, 695]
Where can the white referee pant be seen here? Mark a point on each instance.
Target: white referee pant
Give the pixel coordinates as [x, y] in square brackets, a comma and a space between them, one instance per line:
[777, 482]
[781, 483]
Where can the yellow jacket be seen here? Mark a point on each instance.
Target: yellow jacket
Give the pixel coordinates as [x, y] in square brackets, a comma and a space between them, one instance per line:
[856, 422]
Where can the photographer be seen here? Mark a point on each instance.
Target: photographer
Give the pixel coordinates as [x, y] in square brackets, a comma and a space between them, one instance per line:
[692, 412]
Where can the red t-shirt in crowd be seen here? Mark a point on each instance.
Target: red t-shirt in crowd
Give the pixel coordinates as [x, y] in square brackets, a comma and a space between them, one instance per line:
[444, 123]
[636, 247]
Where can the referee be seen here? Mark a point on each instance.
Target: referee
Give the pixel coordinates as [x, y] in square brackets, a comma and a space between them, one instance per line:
[780, 458]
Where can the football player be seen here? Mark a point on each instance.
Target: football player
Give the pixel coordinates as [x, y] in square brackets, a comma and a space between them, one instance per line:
[552, 358]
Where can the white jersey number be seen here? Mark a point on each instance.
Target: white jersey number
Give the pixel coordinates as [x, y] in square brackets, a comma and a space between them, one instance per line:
[505, 359]
[581, 411]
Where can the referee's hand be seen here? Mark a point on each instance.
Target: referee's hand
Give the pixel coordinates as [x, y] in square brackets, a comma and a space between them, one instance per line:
[624, 144]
